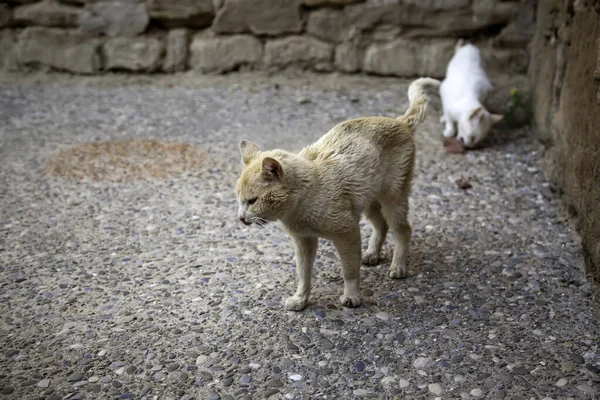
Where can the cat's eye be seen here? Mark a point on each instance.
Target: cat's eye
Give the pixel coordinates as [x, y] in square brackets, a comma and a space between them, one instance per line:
[252, 200]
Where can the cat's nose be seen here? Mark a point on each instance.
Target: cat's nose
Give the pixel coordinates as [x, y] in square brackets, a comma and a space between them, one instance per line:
[462, 140]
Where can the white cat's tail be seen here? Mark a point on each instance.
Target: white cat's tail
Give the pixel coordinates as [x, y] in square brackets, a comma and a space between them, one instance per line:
[459, 43]
[418, 96]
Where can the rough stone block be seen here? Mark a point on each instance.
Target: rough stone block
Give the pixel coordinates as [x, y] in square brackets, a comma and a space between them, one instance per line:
[5, 15]
[330, 25]
[177, 50]
[320, 3]
[298, 50]
[193, 13]
[347, 57]
[8, 43]
[404, 57]
[60, 49]
[114, 17]
[261, 17]
[439, 4]
[222, 54]
[141, 54]
[371, 13]
[418, 19]
[47, 13]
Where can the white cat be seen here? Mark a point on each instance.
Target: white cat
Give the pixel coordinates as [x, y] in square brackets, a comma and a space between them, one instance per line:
[463, 90]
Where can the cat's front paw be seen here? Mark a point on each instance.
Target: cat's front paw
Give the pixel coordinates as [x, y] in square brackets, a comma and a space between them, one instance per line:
[449, 132]
[370, 259]
[349, 300]
[295, 303]
[398, 272]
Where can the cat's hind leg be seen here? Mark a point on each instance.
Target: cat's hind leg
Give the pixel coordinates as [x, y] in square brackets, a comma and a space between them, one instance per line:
[306, 251]
[396, 216]
[380, 229]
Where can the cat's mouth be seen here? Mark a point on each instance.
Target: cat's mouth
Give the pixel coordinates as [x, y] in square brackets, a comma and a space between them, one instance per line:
[254, 220]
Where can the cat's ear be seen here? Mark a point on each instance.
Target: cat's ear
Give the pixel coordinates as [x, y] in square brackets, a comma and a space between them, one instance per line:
[271, 169]
[248, 151]
[475, 112]
[496, 118]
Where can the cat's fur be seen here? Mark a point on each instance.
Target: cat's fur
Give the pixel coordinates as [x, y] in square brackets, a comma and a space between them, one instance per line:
[361, 166]
[463, 91]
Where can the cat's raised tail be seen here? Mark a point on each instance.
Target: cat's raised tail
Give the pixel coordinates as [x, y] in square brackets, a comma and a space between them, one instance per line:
[418, 96]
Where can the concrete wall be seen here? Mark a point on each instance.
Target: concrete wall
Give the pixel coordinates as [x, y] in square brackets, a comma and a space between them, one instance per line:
[386, 37]
[565, 71]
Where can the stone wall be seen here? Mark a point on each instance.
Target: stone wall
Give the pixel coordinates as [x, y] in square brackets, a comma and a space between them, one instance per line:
[386, 37]
[565, 70]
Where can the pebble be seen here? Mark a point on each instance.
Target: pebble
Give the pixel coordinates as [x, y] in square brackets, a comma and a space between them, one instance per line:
[295, 377]
[74, 377]
[388, 381]
[361, 392]
[275, 383]
[359, 366]
[202, 359]
[383, 316]
[561, 382]
[577, 359]
[44, 383]
[421, 362]
[435, 388]
[476, 392]
[403, 383]
[520, 370]
[7, 390]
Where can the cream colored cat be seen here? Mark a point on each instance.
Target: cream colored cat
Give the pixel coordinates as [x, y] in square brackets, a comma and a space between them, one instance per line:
[363, 165]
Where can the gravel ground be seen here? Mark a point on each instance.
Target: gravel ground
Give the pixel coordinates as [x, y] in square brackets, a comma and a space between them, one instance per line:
[154, 290]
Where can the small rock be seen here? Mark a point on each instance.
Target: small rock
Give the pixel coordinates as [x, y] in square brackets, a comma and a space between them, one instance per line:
[7, 390]
[74, 377]
[303, 100]
[359, 366]
[276, 383]
[561, 382]
[403, 383]
[435, 388]
[463, 183]
[383, 315]
[388, 381]
[586, 389]
[270, 393]
[296, 377]
[202, 359]
[476, 392]
[421, 362]
[44, 383]
[361, 392]
[520, 370]
[577, 359]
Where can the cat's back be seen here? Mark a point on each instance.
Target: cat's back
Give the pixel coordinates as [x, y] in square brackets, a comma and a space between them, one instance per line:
[465, 72]
[361, 135]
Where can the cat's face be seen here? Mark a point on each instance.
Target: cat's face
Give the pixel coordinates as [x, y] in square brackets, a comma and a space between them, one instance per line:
[262, 192]
[474, 127]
